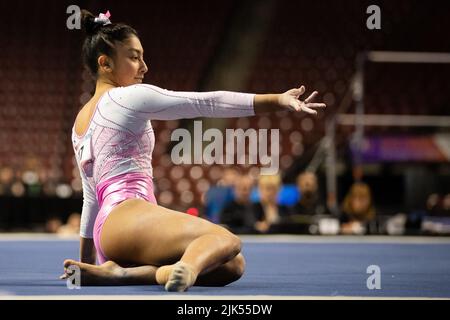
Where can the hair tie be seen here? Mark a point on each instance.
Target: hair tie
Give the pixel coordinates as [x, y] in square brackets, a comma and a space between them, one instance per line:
[103, 18]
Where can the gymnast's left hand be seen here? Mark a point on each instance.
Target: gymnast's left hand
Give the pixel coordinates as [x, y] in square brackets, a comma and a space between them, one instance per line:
[291, 100]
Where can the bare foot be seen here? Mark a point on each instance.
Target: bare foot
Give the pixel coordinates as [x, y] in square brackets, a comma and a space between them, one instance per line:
[109, 273]
[180, 276]
[163, 273]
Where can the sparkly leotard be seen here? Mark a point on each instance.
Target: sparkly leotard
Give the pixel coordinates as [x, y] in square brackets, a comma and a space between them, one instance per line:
[114, 154]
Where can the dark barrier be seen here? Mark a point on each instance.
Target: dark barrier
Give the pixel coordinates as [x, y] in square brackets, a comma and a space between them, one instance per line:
[31, 213]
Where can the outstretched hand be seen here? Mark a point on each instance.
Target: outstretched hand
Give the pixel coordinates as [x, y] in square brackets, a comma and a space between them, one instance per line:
[291, 100]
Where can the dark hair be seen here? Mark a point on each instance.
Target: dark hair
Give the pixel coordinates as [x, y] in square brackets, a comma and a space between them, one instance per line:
[100, 39]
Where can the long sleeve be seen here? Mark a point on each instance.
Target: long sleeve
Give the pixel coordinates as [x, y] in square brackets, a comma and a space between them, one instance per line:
[89, 211]
[148, 102]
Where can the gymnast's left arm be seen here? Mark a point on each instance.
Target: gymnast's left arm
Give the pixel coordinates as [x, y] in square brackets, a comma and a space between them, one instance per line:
[151, 102]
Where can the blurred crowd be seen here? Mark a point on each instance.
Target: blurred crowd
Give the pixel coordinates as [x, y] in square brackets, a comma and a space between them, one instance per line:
[33, 180]
[438, 205]
[37, 199]
[261, 205]
[248, 204]
[56, 225]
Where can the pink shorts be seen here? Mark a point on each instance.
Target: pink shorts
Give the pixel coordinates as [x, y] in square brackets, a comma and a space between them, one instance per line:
[112, 192]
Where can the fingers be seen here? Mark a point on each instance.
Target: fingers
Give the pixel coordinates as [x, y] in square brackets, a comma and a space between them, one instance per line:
[67, 271]
[296, 92]
[302, 90]
[308, 110]
[69, 262]
[316, 105]
[66, 274]
[307, 105]
[311, 97]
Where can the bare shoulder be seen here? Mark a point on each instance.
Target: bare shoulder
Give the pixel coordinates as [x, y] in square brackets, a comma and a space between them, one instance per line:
[86, 113]
[83, 117]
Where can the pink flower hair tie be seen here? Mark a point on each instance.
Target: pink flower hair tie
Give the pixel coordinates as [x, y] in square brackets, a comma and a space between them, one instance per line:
[103, 18]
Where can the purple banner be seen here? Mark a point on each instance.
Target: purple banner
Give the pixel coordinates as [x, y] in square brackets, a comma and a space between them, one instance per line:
[432, 148]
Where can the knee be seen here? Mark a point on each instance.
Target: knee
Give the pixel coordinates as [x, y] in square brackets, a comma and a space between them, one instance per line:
[234, 244]
[238, 266]
[230, 244]
[236, 269]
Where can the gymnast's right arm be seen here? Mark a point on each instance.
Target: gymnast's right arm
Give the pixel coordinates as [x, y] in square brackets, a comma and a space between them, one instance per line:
[88, 215]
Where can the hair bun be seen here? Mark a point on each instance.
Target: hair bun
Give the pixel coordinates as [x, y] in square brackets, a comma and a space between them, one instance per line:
[88, 23]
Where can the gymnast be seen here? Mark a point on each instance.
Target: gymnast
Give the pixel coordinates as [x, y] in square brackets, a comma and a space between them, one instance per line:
[123, 229]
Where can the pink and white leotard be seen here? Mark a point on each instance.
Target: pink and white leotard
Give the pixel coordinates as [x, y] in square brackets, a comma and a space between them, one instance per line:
[114, 155]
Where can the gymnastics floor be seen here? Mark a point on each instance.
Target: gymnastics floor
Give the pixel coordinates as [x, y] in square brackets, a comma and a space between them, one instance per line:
[278, 267]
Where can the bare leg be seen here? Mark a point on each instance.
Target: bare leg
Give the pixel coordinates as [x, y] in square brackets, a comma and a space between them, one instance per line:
[218, 277]
[199, 257]
[141, 233]
[111, 274]
[225, 274]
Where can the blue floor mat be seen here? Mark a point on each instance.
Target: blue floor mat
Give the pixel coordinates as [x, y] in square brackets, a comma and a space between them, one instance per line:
[275, 269]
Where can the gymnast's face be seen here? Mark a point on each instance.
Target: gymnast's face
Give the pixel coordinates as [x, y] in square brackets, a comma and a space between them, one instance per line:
[127, 67]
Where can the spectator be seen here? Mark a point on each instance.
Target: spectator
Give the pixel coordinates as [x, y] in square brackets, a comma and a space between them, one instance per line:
[437, 218]
[445, 208]
[218, 196]
[357, 210]
[6, 180]
[433, 204]
[237, 214]
[229, 177]
[267, 214]
[309, 203]
[72, 227]
[53, 224]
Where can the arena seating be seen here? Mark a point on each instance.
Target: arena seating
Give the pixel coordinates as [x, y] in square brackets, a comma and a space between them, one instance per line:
[42, 85]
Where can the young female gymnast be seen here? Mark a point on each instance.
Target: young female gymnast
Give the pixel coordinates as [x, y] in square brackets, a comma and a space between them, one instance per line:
[134, 240]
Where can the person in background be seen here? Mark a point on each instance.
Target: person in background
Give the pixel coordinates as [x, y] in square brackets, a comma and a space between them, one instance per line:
[432, 204]
[6, 180]
[438, 205]
[267, 213]
[436, 220]
[357, 209]
[309, 203]
[53, 224]
[237, 214]
[445, 207]
[220, 195]
[72, 226]
[229, 177]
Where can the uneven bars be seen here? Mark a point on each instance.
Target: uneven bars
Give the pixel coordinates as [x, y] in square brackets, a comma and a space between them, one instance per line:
[408, 57]
[393, 120]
